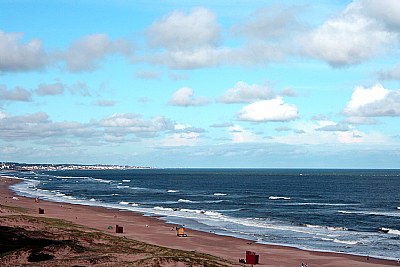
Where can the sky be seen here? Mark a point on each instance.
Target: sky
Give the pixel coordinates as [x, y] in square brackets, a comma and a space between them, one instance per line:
[239, 84]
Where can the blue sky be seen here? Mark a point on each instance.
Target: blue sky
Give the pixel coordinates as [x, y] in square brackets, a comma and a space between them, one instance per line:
[275, 84]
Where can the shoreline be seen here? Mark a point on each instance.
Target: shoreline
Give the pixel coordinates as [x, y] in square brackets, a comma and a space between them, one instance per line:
[153, 230]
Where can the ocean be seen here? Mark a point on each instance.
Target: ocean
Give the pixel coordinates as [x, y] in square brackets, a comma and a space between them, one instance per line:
[346, 211]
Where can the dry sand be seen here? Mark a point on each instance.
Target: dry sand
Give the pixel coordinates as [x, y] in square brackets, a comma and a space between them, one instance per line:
[155, 231]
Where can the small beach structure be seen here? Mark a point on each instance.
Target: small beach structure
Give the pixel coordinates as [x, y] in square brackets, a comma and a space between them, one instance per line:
[180, 231]
[252, 257]
[41, 211]
[119, 229]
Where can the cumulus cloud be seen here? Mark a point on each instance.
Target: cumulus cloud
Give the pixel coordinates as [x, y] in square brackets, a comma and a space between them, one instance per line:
[184, 97]
[387, 11]
[186, 41]
[268, 110]
[353, 36]
[373, 102]
[37, 126]
[184, 135]
[86, 53]
[127, 123]
[16, 94]
[18, 56]
[193, 40]
[177, 31]
[246, 93]
[50, 89]
[391, 74]
[273, 22]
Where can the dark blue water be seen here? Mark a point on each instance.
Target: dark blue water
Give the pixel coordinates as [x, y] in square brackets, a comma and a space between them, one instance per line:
[350, 211]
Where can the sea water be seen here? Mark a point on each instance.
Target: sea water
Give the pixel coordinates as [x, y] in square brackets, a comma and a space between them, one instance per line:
[346, 211]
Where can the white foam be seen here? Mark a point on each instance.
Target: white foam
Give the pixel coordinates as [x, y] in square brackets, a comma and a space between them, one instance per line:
[124, 203]
[163, 209]
[126, 181]
[220, 194]
[376, 213]
[172, 191]
[330, 228]
[184, 200]
[390, 231]
[101, 180]
[92, 199]
[321, 204]
[347, 242]
[278, 198]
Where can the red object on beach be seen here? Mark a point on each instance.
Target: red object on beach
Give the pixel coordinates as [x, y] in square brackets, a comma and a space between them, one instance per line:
[252, 258]
[119, 229]
[41, 211]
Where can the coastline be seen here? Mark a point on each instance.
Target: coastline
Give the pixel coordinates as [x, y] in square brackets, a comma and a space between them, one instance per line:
[157, 232]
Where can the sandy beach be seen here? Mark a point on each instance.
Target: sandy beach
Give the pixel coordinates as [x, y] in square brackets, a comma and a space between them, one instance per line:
[156, 232]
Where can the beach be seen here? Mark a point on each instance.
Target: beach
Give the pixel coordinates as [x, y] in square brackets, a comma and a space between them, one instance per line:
[154, 231]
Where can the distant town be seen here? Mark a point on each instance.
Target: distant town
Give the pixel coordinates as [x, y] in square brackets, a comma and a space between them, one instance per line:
[56, 167]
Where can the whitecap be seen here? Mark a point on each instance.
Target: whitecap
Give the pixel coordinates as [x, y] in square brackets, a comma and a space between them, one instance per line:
[126, 181]
[331, 228]
[220, 194]
[172, 191]
[278, 198]
[101, 180]
[184, 200]
[124, 203]
[347, 242]
[390, 231]
[163, 209]
[92, 199]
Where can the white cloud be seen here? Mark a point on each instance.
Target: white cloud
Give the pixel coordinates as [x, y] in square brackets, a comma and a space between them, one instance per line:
[268, 110]
[191, 59]
[37, 126]
[335, 127]
[177, 31]
[373, 102]
[148, 75]
[185, 135]
[351, 37]
[16, 94]
[391, 74]
[50, 89]
[85, 54]
[240, 135]
[273, 22]
[127, 123]
[246, 93]
[105, 103]
[185, 97]
[16, 56]
[387, 11]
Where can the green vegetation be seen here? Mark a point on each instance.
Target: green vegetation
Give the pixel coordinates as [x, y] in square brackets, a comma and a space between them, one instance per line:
[56, 242]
